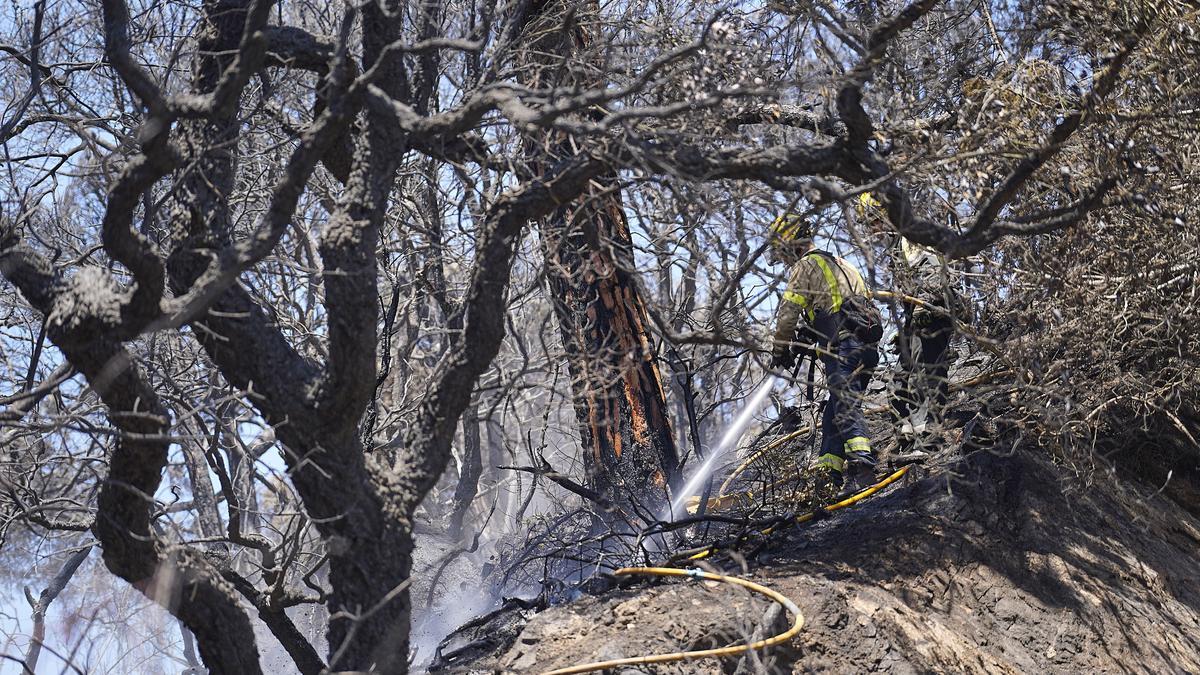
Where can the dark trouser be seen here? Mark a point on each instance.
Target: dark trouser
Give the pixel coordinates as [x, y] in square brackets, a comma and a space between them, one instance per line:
[925, 367]
[847, 376]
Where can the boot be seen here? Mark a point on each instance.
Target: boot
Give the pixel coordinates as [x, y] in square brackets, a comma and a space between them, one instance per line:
[828, 477]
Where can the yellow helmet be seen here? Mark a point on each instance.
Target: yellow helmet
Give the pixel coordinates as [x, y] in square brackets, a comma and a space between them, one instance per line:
[868, 207]
[788, 229]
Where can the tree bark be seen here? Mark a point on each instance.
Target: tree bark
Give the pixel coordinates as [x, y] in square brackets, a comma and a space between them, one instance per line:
[83, 318]
[620, 405]
[472, 469]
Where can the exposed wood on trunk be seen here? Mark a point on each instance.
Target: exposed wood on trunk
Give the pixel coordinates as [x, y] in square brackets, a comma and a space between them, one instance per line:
[620, 405]
[618, 392]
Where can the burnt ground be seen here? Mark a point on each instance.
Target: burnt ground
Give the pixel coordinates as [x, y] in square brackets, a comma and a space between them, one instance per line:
[993, 564]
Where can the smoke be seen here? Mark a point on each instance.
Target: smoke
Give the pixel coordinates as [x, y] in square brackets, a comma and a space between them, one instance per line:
[464, 591]
[454, 607]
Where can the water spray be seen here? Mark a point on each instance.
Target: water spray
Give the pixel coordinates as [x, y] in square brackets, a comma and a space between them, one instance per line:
[729, 441]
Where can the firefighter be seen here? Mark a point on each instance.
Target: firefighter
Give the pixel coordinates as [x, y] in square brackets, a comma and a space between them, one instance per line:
[826, 311]
[923, 342]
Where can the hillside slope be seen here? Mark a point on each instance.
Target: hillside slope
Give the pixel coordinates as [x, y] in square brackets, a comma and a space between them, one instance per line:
[999, 565]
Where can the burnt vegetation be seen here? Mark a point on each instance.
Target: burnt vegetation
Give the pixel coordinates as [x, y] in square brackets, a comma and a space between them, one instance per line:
[316, 316]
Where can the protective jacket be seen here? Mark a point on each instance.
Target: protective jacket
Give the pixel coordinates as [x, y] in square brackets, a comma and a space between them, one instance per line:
[926, 281]
[923, 341]
[818, 285]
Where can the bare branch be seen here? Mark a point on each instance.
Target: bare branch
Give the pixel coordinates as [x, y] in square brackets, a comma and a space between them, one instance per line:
[42, 605]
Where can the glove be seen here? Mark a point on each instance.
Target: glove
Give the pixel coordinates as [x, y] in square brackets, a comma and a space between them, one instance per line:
[783, 359]
[807, 338]
[803, 351]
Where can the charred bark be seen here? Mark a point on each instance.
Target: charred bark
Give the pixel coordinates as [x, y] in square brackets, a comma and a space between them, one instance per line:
[619, 401]
[620, 405]
[472, 469]
[82, 318]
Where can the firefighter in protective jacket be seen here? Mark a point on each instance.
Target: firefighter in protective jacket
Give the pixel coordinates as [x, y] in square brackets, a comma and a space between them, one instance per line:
[931, 304]
[826, 311]
[923, 341]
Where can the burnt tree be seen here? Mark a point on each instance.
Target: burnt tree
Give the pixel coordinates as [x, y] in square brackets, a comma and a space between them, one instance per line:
[620, 404]
[194, 260]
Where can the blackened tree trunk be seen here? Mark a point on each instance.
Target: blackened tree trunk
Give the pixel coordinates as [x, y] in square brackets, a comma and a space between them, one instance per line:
[472, 469]
[620, 405]
[618, 394]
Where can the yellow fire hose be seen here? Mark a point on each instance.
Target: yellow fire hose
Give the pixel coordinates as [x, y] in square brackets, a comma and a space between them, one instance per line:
[790, 606]
[790, 633]
[805, 517]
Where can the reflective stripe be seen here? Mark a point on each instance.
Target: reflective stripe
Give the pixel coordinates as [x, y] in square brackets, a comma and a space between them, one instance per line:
[858, 444]
[792, 296]
[832, 462]
[835, 293]
[796, 298]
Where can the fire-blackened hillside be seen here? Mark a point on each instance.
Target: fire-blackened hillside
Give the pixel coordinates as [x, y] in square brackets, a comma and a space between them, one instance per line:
[327, 325]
